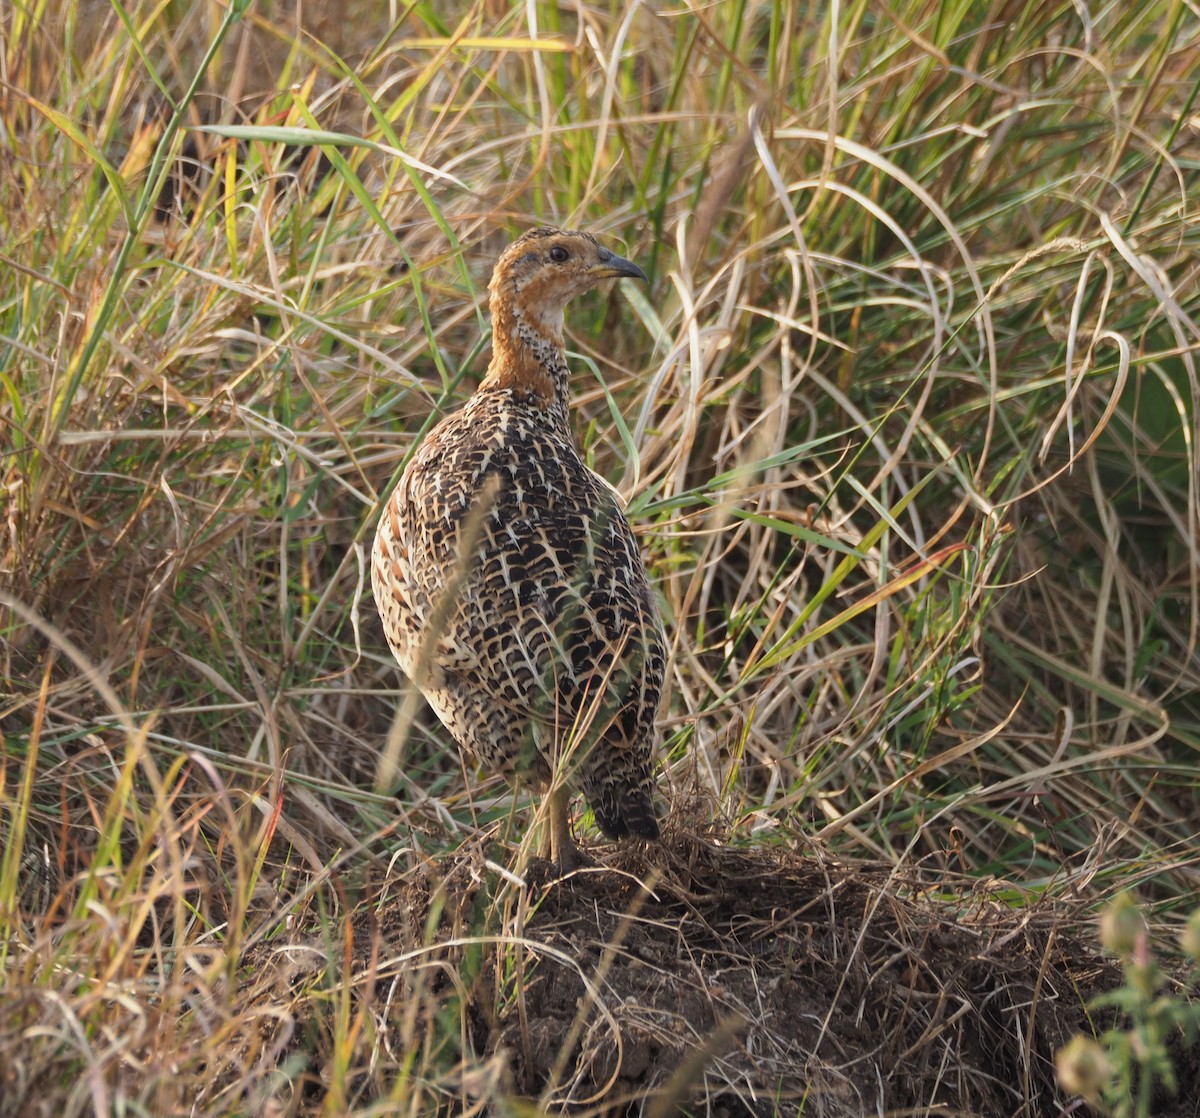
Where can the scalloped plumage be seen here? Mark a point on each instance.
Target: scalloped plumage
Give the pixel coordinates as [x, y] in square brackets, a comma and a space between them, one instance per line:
[509, 581]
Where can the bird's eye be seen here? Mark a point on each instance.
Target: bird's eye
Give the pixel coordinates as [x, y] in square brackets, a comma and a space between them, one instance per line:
[559, 254]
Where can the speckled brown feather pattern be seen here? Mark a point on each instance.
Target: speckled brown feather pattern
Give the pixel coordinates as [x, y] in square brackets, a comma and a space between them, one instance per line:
[509, 581]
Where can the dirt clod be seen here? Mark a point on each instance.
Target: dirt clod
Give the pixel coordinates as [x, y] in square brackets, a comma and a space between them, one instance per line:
[760, 982]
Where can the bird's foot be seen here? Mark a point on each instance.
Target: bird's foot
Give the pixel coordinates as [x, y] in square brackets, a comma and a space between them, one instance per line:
[570, 858]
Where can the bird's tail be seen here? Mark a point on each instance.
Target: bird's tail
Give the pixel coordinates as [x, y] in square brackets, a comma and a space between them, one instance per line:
[624, 812]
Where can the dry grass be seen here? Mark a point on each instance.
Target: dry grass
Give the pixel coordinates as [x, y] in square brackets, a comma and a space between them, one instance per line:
[907, 421]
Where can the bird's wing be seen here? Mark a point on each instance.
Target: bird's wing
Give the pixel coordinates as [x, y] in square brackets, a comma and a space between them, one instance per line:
[537, 593]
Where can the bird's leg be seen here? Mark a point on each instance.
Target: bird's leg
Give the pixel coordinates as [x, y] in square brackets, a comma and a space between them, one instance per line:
[546, 838]
[563, 851]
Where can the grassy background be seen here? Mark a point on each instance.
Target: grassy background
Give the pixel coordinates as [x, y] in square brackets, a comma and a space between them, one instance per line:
[907, 419]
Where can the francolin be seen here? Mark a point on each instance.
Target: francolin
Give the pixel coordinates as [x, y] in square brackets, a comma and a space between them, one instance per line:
[510, 584]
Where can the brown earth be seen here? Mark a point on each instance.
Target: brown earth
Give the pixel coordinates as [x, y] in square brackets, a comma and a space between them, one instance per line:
[741, 982]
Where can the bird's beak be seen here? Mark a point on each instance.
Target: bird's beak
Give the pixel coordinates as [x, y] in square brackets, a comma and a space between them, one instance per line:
[610, 264]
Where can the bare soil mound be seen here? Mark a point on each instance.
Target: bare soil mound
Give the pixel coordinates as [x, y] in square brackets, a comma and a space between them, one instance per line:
[737, 982]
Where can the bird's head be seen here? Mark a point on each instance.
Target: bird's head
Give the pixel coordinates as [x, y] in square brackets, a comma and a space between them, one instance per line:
[542, 270]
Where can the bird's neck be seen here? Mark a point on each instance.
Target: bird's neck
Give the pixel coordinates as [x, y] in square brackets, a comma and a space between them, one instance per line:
[528, 358]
